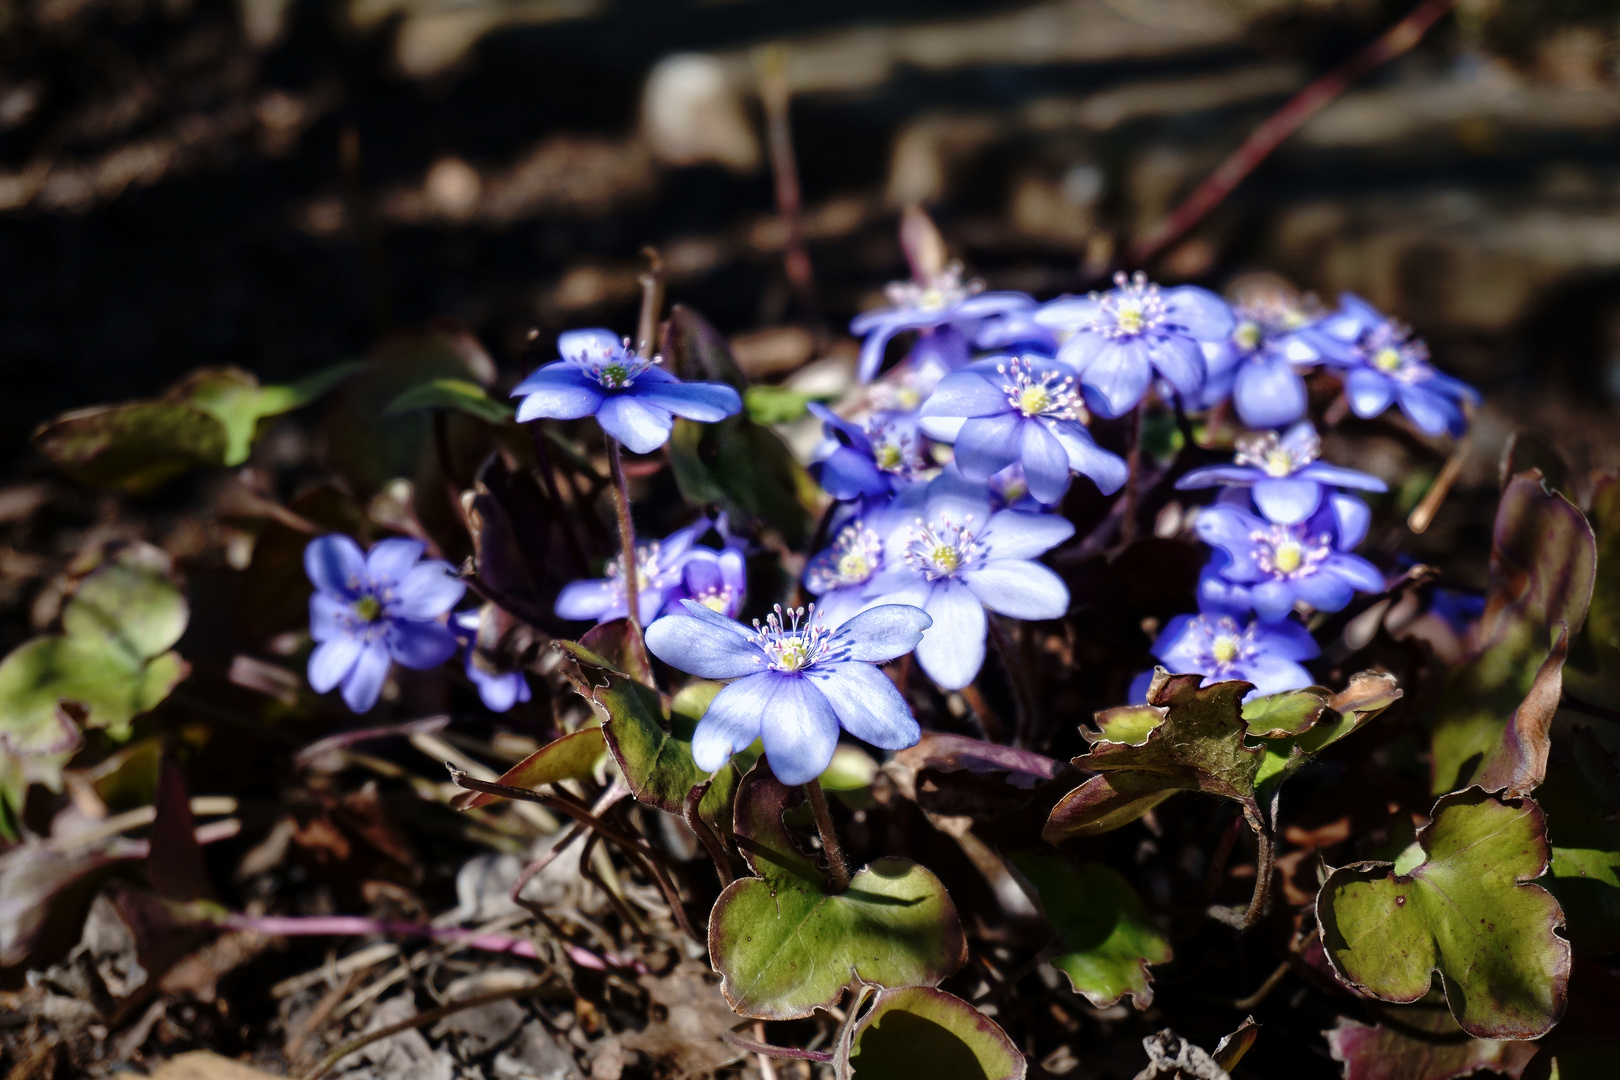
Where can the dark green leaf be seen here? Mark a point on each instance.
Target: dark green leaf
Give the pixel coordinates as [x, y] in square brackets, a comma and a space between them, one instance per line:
[1581, 798]
[458, 395]
[572, 757]
[915, 1031]
[1105, 937]
[785, 946]
[1466, 908]
[136, 446]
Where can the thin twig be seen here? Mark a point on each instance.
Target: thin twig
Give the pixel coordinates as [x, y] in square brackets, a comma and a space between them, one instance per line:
[767, 1050]
[652, 303]
[1423, 514]
[1283, 123]
[422, 1019]
[1587, 707]
[711, 842]
[836, 866]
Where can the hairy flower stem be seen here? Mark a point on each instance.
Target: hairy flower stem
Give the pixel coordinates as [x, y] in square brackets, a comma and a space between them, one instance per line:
[627, 533]
[836, 866]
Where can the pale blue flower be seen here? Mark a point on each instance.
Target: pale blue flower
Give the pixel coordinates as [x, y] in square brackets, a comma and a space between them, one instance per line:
[1283, 472]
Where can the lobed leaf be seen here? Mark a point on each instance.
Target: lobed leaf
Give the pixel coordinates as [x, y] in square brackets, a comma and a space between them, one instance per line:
[916, 1031]
[1581, 798]
[1105, 937]
[785, 946]
[1466, 908]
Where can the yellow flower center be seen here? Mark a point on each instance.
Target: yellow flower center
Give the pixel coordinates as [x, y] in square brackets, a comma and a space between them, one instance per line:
[1247, 334]
[888, 457]
[1279, 462]
[1288, 557]
[852, 566]
[1225, 649]
[945, 558]
[1129, 317]
[1034, 400]
[368, 609]
[792, 655]
[714, 601]
[1387, 359]
[931, 299]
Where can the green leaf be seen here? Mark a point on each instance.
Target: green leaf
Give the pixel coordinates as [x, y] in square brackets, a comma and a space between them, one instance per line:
[1466, 910]
[1581, 798]
[785, 946]
[1380, 1052]
[736, 463]
[130, 605]
[654, 751]
[572, 757]
[1368, 694]
[235, 398]
[1198, 745]
[136, 446]
[1543, 557]
[1284, 715]
[914, 1031]
[776, 404]
[454, 394]
[1105, 937]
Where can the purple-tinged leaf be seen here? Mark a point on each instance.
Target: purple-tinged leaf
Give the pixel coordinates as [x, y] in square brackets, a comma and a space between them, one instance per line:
[957, 775]
[914, 1031]
[1386, 1052]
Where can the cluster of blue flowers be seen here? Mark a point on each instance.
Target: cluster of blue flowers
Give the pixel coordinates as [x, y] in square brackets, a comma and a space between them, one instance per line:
[945, 478]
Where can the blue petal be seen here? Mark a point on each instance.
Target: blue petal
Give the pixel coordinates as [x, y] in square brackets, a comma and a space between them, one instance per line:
[881, 633]
[1217, 594]
[965, 393]
[1369, 392]
[596, 600]
[1229, 529]
[835, 425]
[331, 661]
[1181, 361]
[335, 565]
[328, 617]
[429, 590]
[847, 474]
[1268, 392]
[1287, 500]
[1211, 475]
[867, 705]
[1358, 572]
[1046, 463]
[733, 721]
[583, 344]
[1323, 590]
[952, 650]
[1068, 312]
[1351, 517]
[1433, 414]
[800, 730]
[706, 402]
[985, 304]
[954, 495]
[1177, 649]
[987, 444]
[1338, 476]
[1015, 534]
[698, 647]
[1274, 600]
[1289, 639]
[1272, 675]
[1204, 315]
[1116, 378]
[640, 426]
[1106, 469]
[365, 680]
[882, 330]
[418, 643]
[1019, 588]
[389, 561]
[498, 692]
[557, 392]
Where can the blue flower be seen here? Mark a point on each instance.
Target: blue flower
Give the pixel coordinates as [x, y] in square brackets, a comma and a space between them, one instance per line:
[1258, 363]
[1284, 564]
[871, 461]
[839, 574]
[1284, 472]
[629, 395]
[1120, 338]
[1016, 331]
[956, 560]
[716, 579]
[941, 302]
[499, 689]
[371, 609]
[797, 683]
[660, 565]
[1222, 646]
[1382, 362]
[1024, 410]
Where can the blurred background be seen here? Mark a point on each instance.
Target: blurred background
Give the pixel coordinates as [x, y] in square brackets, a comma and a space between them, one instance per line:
[275, 184]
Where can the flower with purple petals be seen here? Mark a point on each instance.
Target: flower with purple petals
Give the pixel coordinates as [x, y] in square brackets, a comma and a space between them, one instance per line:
[371, 609]
[1258, 364]
[798, 682]
[716, 579]
[1118, 339]
[633, 399]
[936, 304]
[1221, 646]
[1025, 410]
[839, 574]
[499, 688]
[869, 461]
[1285, 564]
[1382, 363]
[1284, 473]
[660, 567]
[955, 560]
